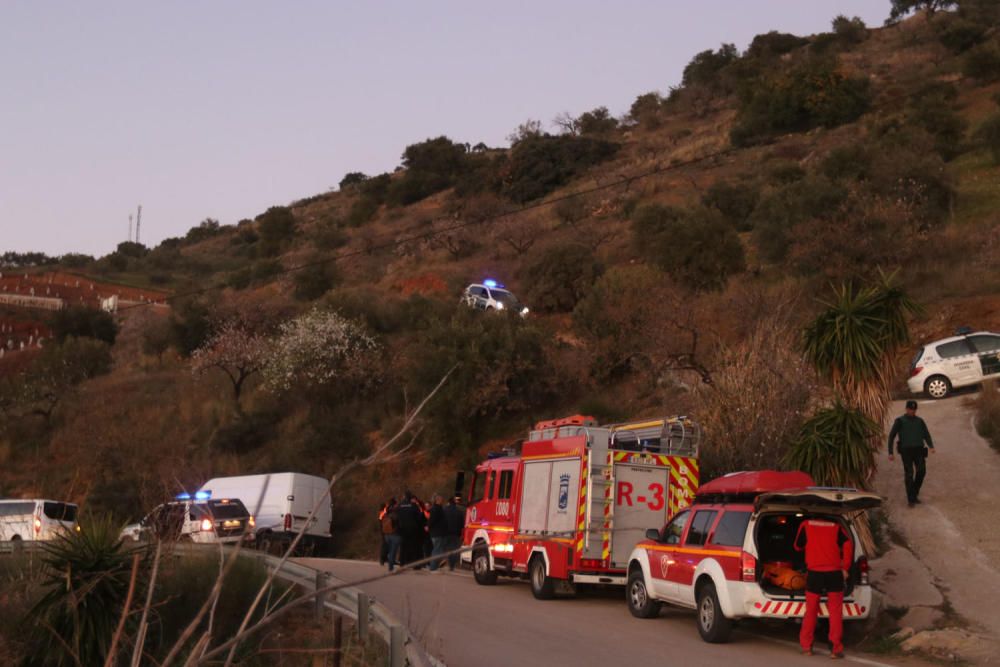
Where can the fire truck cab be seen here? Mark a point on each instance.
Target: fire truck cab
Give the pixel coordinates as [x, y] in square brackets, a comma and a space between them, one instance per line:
[569, 508]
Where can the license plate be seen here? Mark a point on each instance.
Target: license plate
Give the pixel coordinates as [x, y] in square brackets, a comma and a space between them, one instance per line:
[232, 524]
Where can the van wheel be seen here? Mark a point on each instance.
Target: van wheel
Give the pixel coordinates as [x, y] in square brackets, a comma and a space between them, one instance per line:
[713, 626]
[481, 568]
[640, 604]
[937, 386]
[542, 586]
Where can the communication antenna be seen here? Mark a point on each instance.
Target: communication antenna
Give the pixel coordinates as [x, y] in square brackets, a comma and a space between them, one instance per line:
[138, 220]
[130, 227]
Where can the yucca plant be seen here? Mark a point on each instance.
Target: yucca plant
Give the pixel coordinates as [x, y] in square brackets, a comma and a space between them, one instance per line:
[835, 447]
[853, 343]
[86, 582]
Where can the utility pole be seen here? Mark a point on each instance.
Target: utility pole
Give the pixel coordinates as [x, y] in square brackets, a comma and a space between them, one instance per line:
[138, 220]
[130, 227]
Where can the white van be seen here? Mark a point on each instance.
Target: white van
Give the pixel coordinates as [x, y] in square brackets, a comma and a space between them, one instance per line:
[280, 503]
[35, 520]
[950, 363]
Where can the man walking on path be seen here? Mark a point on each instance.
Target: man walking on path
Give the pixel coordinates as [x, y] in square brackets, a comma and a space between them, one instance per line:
[829, 554]
[913, 434]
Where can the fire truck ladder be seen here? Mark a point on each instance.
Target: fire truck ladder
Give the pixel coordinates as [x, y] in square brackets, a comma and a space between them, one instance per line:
[674, 436]
[601, 483]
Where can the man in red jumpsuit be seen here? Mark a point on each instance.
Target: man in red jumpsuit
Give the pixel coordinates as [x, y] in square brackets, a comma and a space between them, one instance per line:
[829, 554]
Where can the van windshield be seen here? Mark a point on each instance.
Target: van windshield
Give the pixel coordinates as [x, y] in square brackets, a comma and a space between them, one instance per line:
[60, 511]
[232, 509]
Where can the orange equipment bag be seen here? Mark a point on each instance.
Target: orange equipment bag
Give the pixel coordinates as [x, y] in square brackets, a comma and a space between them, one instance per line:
[784, 576]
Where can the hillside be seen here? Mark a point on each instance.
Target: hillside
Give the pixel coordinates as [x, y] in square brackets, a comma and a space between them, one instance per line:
[670, 260]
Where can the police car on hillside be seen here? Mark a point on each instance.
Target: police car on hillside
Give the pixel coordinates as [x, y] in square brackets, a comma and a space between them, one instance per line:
[950, 363]
[490, 295]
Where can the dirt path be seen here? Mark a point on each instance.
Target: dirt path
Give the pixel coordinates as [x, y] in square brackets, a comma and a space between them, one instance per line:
[955, 531]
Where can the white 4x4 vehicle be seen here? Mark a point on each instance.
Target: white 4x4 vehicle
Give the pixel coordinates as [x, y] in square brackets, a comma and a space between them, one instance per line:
[489, 295]
[200, 519]
[721, 555]
[950, 363]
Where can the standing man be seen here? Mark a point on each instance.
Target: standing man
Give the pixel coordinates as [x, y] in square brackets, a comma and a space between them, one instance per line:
[437, 528]
[913, 434]
[411, 527]
[454, 514]
[829, 554]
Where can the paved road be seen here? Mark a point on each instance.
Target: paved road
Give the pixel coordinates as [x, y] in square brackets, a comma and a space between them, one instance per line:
[463, 623]
[954, 530]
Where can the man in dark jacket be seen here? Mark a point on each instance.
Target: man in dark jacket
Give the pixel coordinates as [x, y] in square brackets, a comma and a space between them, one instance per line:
[411, 527]
[437, 528]
[454, 515]
[913, 435]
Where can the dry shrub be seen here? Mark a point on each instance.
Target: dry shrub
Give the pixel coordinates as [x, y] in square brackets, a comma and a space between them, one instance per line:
[988, 413]
[759, 399]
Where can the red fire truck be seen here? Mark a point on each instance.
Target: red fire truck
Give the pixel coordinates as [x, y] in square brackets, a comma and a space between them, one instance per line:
[570, 507]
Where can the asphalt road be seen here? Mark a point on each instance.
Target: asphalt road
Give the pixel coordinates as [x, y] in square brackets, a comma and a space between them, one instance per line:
[463, 623]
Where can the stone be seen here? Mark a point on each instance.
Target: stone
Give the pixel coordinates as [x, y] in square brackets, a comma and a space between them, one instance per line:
[921, 618]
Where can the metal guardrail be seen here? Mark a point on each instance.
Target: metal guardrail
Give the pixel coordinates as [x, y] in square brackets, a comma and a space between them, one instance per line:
[368, 615]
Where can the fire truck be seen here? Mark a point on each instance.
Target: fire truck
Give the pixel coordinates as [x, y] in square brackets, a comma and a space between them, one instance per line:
[570, 507]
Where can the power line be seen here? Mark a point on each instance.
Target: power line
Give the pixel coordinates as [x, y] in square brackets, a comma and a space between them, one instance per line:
[626, 182]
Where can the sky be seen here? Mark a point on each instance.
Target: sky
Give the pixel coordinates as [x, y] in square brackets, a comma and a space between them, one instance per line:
[222, 109]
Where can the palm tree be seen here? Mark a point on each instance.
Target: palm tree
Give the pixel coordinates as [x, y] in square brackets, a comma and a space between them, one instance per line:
[853, 343]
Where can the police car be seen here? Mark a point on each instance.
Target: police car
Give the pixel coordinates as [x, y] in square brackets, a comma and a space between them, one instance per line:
[492, 296]
[950, 363]
[197, 518]
[731, 554]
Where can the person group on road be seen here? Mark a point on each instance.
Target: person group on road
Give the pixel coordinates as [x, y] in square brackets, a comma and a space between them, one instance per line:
[914, 440]
[413, 531]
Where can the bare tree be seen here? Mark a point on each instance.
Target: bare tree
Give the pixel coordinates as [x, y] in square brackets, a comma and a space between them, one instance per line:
[236, 350]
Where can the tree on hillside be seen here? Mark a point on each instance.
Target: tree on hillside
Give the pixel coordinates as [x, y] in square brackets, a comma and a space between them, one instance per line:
[80, 322]
[598, 122]
[706, 66]
[55, 373]
[352, 178]
[276, 226]
[853, 343]
[318, 349]
[645, 110]
[235, 349]
[901, 8]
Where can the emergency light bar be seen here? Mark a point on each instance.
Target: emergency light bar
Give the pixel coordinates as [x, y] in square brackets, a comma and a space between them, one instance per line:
[489, 282]
[199, 495]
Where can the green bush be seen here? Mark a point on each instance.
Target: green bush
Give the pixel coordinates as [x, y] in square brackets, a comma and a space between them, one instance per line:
[645, 110]
[850, 30]
[735, 201]
[559, 276]
[782, 209]
[276, 227]
[540, 164]
[83, 322]
[850, 163]
[362, 211]
[983, 62]
[773, 44]
[649, 222]
[206, 229]
[933, 109]
[431, 166]
[699, 250]
[988, 136]
[959, 34]
[314, 281]
[598, 122]
[813, 94]
[705, 68]
[835, 447]
[352, 178]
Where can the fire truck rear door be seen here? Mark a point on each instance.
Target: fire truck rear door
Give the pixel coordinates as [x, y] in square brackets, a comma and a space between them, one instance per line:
[640, 503]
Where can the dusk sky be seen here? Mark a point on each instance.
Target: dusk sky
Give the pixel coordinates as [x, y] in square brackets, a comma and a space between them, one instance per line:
[222, 109]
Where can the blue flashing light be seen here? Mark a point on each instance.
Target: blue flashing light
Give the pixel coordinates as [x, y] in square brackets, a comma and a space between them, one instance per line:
[183, 496]
[202, 495]
[490, 282]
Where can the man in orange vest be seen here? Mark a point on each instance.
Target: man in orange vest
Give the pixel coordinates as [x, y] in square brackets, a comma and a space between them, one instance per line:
[829, 554]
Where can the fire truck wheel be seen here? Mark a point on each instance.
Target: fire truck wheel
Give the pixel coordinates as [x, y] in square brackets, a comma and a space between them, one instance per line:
[713, 626]
[542, 586]
[640, 604]
[481, 568]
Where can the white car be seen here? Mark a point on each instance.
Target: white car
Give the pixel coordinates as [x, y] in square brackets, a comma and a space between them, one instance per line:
[491, 296]
[959, 361]
[200, 519]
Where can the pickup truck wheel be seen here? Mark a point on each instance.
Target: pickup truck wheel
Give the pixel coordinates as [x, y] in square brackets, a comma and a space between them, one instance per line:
[713, 626]
[542, 586]
[640, 604]
[481, 568]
